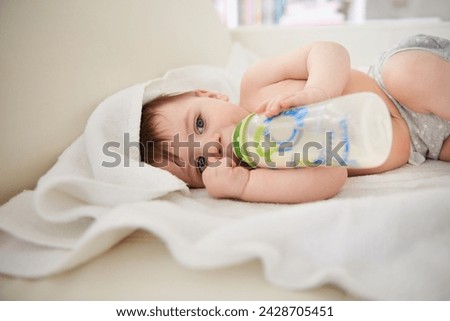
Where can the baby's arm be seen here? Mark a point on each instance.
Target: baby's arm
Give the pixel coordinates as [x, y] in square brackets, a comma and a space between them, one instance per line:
[298, 185]
[324, 65]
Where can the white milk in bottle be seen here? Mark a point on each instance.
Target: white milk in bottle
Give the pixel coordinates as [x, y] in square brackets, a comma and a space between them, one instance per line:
[354, 131]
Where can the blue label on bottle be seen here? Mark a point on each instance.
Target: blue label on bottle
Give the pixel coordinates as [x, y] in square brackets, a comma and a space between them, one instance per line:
[298, 115]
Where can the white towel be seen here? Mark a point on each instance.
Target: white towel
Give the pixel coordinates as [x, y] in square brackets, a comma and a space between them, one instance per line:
[383, 237]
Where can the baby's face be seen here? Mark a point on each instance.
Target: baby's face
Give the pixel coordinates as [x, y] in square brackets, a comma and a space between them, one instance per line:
[200, 126]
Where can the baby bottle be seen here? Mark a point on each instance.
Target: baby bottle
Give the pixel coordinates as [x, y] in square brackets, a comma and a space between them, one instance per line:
[354, 131]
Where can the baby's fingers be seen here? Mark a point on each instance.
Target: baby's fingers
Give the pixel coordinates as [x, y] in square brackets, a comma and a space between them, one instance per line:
[292, 101]
[274, 107]
[262, 107]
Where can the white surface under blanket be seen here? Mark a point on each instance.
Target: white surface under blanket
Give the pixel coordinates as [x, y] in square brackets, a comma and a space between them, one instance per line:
[383, 236]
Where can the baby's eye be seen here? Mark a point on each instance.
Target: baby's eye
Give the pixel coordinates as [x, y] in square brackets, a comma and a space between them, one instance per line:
[199, 124]
[201, 163]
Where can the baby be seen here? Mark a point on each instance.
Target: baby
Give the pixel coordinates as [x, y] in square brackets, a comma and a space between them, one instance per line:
[189, 134]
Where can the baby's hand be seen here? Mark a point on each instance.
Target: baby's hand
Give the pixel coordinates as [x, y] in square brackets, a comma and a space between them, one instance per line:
[274, 106]
[223, 179]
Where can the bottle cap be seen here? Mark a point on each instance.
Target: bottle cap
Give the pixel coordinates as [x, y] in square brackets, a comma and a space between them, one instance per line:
[239, 138]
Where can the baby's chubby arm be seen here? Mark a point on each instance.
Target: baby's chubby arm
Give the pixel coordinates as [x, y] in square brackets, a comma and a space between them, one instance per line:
[325, 66]
[289, 186]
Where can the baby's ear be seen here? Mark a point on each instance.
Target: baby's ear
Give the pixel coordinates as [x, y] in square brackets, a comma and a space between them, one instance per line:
[210, 94]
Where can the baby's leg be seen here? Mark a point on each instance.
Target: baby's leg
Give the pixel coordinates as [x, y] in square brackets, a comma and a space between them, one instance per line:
[444, 155]
[419, 80]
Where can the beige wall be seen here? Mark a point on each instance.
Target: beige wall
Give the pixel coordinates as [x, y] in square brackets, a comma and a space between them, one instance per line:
[60, 58]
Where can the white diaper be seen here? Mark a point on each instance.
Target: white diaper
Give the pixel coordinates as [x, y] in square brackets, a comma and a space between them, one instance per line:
[427, 131]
